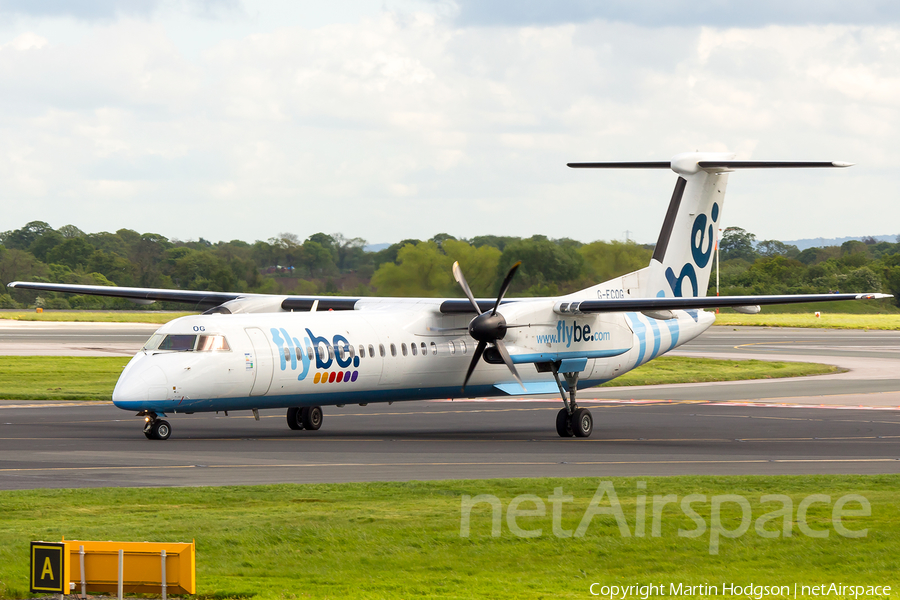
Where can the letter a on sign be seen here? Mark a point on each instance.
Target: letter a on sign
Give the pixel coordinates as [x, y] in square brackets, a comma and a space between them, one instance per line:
[48, 568]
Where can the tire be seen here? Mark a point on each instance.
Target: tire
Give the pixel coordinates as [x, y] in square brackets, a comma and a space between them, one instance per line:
[148, 434]
[582, 423]
[293, 418]
[161, 430]
[564, 424]
[311, 417]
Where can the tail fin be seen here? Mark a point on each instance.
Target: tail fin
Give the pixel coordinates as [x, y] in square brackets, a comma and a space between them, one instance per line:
[683, 258]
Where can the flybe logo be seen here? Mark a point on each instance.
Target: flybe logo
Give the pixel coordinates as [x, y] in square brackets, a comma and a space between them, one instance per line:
[566, 334]
[333, 356]
[702, 240]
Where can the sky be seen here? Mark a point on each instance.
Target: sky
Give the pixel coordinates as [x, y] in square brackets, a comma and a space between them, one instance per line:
[394, 119]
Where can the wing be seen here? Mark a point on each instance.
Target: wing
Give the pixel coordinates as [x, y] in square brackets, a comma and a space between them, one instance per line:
[639, 304]
[203, 299]
[187, 296]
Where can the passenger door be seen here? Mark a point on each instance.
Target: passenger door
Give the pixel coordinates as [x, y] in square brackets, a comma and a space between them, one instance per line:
[264, 364]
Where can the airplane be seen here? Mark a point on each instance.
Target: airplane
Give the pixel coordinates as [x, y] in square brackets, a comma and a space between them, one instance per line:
[300, 353]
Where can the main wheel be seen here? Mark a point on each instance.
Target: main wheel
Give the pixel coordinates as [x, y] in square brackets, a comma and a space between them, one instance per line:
[148, 434]
[293, 418]
[161, 430]
[582, 423]
[311, 417]
[564, 424]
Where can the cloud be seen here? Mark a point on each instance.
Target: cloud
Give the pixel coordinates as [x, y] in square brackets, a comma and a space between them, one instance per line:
[678, 13]
[92, 10]
[406, 124]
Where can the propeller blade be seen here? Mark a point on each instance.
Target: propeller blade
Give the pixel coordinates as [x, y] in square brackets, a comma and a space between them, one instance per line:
[505, 286]
[479, 350]
[442, 329]
[501, 347]
[458, 276]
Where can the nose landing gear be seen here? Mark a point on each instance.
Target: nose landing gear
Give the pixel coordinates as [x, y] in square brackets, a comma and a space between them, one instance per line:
[571, 421]
[154, 427]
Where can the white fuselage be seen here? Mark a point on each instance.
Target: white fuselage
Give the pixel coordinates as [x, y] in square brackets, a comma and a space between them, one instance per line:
[288, 359]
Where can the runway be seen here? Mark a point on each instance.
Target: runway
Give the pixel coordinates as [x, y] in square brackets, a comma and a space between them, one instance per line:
[808, 425]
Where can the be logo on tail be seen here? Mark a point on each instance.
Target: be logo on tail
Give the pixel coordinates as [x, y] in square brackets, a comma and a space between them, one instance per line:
[701, 238]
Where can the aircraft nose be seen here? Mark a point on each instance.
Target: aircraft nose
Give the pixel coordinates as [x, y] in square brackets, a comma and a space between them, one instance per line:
[139, 383]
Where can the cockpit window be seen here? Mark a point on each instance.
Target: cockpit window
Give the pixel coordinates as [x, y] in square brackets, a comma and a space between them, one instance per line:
[153, 342]
[212, 343]
[177, 342]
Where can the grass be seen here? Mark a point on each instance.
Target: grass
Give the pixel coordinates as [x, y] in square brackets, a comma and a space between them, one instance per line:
[59, 377]
[112, 316]
[93, 378]
[682, 369]
[403, 540]
[827, 320]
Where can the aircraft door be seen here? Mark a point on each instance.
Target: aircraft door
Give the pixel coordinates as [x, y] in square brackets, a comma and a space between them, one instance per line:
[264, 363]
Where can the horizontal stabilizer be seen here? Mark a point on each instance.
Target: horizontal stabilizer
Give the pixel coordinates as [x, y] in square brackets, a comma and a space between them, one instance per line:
[768, 164]
[645, 304]
[713, 164]
[621, 165]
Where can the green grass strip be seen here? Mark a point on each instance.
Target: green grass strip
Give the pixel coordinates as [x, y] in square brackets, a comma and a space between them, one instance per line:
[59, 377]
[826, 320]
[683, 369]
[93, 378]
[111, 316]
[403, 540]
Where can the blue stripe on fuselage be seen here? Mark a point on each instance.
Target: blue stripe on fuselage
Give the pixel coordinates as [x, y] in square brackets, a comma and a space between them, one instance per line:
[640, 330]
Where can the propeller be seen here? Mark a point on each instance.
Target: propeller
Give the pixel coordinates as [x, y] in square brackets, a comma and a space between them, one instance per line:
[488, 327]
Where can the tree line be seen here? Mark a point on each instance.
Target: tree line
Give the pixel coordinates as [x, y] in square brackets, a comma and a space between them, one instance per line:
[332, 264]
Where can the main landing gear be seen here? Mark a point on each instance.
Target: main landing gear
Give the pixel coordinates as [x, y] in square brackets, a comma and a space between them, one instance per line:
[571, 421]
[307, 417]
[154, 427]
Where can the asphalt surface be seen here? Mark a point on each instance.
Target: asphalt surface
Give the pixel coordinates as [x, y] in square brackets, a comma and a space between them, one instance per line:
[844, 423]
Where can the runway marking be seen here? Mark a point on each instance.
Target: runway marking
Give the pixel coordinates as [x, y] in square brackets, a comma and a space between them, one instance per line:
[470, 440]
[592, 402]
[458, 464]
[59, 405]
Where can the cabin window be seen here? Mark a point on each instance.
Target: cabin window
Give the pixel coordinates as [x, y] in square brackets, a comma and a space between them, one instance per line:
[212, 343]
[322, 351]
[352, 352]
[362, 351]
[309, 352]
[330, 351]
[434, 348]
[424, 349]
[299, 353]
[403, 348]
[462, 346]
[452, 348]
[178, 343]
[381, 350]
[393, 350]
[413, 348]
[372, 351]
[287, 354]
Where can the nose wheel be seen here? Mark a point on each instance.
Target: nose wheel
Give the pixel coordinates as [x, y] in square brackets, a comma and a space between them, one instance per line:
[156, 428]
[571, 421]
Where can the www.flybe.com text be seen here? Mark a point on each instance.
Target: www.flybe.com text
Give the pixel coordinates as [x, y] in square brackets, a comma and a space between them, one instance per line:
[566, 334]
